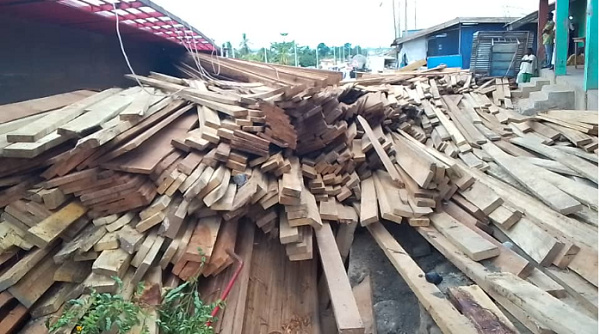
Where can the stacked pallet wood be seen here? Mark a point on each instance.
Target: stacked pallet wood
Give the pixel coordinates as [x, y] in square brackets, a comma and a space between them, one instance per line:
[175, 175]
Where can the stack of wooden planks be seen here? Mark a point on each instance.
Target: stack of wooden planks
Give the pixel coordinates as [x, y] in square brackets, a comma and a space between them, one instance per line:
[175, 176]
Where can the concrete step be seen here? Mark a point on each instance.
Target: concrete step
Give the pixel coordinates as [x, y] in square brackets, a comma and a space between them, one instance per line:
[534, 85]
[550, 97]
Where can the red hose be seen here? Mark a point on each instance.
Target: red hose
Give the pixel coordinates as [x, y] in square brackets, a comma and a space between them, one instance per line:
[229, 285]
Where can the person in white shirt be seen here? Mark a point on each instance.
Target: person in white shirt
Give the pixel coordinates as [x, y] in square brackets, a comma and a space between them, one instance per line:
[528, 64]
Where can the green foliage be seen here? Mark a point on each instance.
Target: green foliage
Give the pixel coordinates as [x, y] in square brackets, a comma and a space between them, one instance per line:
[283, 52]
[244, 45]
[182, 311]
[105, 311]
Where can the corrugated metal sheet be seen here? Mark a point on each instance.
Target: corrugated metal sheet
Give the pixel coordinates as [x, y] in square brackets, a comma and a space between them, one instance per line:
[498, 53]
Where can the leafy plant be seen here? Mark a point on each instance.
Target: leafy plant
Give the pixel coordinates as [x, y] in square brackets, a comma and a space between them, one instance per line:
[105, 311]
[181, 311]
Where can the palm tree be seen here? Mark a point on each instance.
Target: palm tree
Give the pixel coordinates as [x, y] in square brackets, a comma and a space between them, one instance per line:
[244, 48]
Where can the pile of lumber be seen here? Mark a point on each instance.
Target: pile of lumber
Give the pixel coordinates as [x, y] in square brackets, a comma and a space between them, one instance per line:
[280, 165]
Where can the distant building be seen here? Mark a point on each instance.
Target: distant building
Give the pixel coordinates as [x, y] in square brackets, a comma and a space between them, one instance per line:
[448, 42]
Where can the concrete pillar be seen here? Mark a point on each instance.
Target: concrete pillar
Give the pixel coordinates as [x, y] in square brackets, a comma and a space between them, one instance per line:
[591, 47]
[561, 45]
[542, 19]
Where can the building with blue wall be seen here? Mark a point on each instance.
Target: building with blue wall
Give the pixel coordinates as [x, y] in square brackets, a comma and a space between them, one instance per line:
[449, 42]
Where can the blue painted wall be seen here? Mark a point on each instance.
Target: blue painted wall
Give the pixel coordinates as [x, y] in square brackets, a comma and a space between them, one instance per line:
[466, 38]
[449, 61]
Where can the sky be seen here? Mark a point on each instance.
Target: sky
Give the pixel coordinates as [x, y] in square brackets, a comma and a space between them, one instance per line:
[368, 23]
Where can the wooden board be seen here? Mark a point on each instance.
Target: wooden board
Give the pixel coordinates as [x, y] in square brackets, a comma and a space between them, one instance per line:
[476, 247]
[368, 204]
[22, 109]
[546, 309]
[385, 159]
[112, 262]
[534, 241]
[482, 197]
[23, 266]
[443, 312]
[575, 163]
[35, 283]
[481, 310]
[43, 126]
[545, 191]
[346, 313]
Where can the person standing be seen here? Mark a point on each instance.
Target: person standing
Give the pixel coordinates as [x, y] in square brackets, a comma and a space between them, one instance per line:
[548, 40]
[527, 67]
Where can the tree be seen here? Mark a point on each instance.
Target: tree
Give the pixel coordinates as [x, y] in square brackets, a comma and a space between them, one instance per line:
[281, 52]
[306, 57]
[324, 50]
[347, 49]
[244, 45]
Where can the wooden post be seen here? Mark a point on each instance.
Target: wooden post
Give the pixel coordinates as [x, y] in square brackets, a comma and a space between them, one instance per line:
[542, 19]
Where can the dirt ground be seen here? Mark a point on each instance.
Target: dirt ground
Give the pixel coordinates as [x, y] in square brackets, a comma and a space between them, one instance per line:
[396, 308]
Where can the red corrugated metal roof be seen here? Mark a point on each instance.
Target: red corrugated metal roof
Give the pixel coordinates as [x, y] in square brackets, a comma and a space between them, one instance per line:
[139, 19]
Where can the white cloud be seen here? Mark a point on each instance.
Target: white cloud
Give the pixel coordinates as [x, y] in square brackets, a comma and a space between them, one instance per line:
[333, 22]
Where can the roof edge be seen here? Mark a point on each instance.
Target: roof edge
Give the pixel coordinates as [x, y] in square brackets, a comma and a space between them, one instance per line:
[450, 23]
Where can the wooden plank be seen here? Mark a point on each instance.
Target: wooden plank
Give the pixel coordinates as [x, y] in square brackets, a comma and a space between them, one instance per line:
[578, 152]
[482, 197]
[575, 163]
[534, 241]
[442, 311]
[33, 285]
[481, 310]
[140, 104]
[385, 159]
[368, 204]
[147, 261]
[346, 312]
[53, 299]
[363, 293]
[476, 247]
[417, 165]
[43, 126]
[456, 135]
[72, 271]
[112, 262]
[386, 208]
[50, 228]
[24, 265]
[508, 260]
[546, 309]
[31, 150]
[505, 216]
[13, 319]
[99, 113]
[478, 273]
[545, 191]
[13, 111]
[143, 153]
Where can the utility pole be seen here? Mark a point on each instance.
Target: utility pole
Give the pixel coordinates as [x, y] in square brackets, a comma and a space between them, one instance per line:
[394, 16]
[266, 60]
[334, 58]
[233, 51]
[317, 54]
[295, 54]
[405, 18]
[415, 14]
